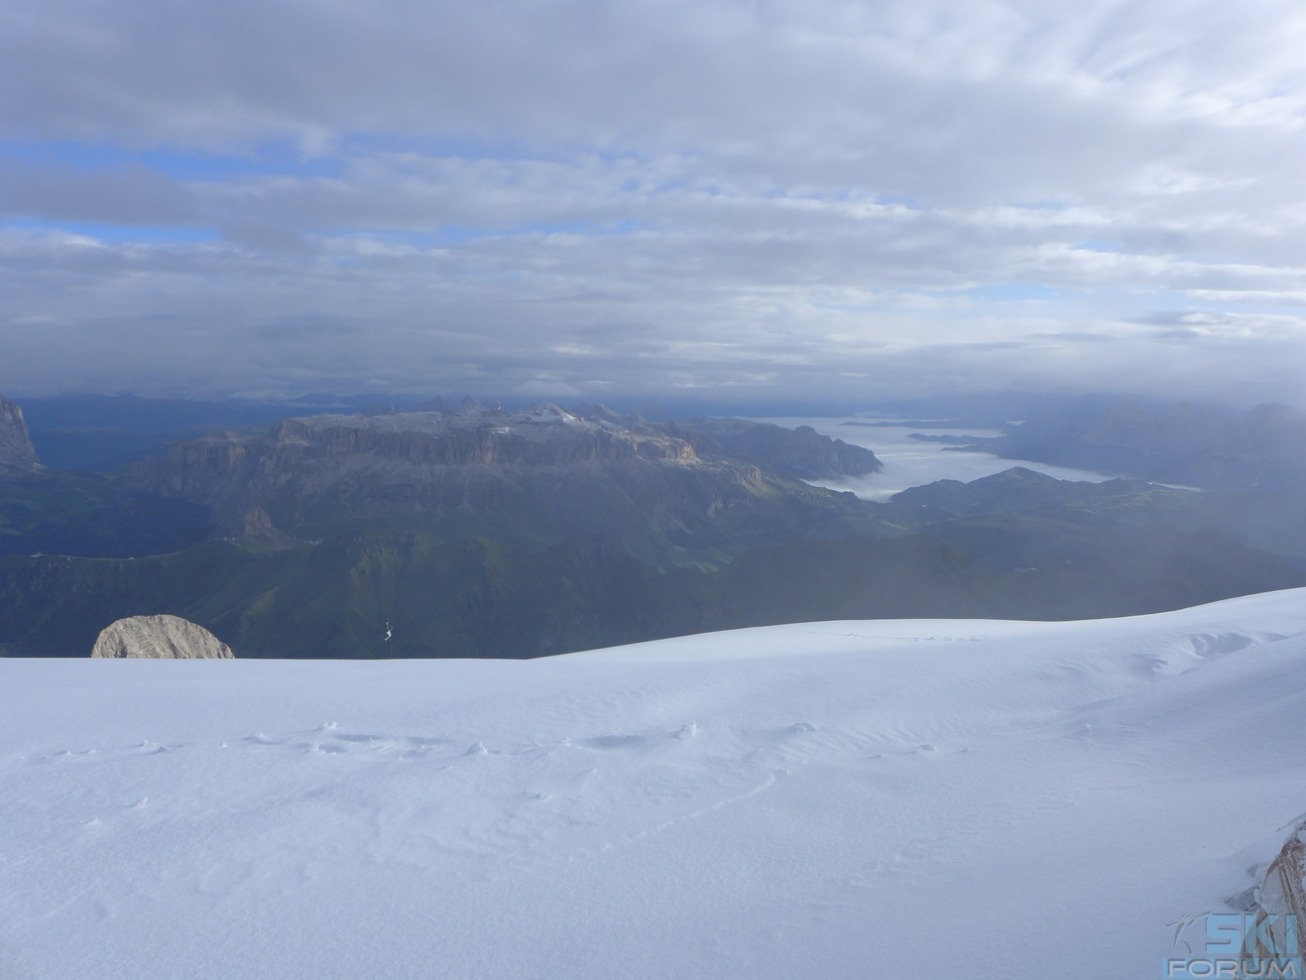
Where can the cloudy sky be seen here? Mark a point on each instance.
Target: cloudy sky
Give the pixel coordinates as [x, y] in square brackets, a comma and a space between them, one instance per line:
[604, 198]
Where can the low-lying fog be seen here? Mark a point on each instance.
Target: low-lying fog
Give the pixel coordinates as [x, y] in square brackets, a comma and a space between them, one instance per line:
[910, 462]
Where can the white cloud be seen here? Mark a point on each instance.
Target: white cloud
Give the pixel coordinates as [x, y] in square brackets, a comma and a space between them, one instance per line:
[656, 194]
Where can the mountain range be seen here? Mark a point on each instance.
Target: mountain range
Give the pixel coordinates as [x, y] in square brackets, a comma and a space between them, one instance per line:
[482, 532]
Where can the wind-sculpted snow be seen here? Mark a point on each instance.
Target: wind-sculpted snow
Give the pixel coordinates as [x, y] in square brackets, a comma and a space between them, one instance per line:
[854, 799]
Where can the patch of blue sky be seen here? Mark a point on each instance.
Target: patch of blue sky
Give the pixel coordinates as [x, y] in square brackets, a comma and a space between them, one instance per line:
[113, 234]
[1099, 245]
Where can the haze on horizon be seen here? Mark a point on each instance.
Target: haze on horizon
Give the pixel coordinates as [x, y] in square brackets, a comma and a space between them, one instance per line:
[575, 200]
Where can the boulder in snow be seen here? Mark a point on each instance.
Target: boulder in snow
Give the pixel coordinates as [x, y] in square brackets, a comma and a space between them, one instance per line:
[159, 638]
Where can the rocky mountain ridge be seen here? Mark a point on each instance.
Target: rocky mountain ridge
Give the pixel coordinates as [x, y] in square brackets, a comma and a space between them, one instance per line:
[544, 471]
[478, 532]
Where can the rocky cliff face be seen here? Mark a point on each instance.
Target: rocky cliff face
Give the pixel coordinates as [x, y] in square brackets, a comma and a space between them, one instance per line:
[403, 442]
[544, 473]
[159, 638]
[17, 455]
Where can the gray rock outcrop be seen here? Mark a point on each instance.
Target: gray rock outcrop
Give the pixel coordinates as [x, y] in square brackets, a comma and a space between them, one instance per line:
[1280, 905]
[17, 454]
[159, 638]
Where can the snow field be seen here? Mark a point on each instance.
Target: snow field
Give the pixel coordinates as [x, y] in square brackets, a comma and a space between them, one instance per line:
[895, 798]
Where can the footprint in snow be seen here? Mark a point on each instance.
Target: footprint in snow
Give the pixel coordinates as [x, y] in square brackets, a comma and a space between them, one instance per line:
[258, 738]
[327, 749]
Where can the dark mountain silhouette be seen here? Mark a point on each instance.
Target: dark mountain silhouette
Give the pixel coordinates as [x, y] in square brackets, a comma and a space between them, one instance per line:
[17, 455]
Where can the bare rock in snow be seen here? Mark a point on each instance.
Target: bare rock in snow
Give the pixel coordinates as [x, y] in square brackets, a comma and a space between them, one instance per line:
[1279, 911]
[160, 638]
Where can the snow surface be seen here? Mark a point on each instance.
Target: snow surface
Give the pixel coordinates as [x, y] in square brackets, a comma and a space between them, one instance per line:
[858, 799]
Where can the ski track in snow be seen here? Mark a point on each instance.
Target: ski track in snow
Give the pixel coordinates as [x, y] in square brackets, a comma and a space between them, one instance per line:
[831, 799]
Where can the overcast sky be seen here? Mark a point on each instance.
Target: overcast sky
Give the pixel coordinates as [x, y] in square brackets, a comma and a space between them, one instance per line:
[579, 198]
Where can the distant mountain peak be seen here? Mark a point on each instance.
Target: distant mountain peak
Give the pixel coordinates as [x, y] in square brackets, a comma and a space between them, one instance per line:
[1018, 475]
[550, 413]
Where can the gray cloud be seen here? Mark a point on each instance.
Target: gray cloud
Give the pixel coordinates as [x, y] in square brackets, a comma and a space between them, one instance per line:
[769, 196]
[131, 196]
